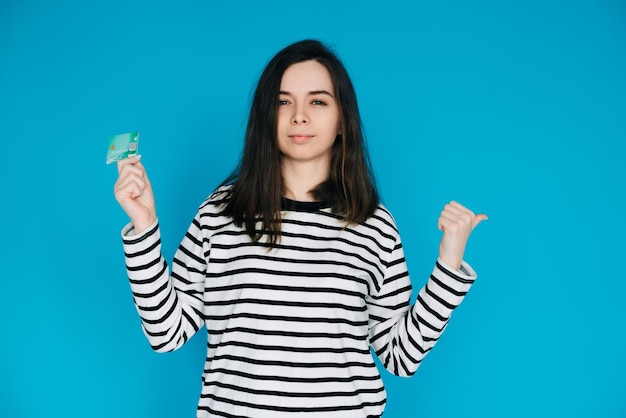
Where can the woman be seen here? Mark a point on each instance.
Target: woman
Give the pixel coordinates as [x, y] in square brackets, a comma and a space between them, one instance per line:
[292, 264]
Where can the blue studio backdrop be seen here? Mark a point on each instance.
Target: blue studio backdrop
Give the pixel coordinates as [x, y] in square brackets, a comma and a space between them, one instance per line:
[515, 109]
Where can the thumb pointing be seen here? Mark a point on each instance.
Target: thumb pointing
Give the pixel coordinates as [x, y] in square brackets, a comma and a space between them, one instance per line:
[478, 219]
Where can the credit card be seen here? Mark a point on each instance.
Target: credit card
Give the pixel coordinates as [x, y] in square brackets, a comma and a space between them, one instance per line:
[122, 146]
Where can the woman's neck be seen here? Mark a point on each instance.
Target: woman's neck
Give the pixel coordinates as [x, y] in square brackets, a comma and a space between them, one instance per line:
[300, 179]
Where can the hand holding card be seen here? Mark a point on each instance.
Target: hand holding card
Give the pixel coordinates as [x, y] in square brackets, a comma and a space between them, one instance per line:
[133, 191]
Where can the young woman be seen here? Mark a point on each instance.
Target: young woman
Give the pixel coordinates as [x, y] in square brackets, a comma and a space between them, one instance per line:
[292, 264]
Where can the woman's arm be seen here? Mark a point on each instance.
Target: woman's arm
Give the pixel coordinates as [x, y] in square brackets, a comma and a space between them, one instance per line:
[170, 307]
[402, 335]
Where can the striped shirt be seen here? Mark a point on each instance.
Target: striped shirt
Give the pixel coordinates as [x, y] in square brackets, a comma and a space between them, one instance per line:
[290, 327]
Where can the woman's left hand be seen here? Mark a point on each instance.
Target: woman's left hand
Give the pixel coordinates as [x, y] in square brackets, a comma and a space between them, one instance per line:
[457, 223]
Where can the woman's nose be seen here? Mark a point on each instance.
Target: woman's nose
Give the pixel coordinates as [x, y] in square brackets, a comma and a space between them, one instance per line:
[299, 116]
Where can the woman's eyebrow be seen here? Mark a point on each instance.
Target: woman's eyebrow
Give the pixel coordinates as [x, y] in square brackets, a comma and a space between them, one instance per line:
[311, 93]
[316, 92]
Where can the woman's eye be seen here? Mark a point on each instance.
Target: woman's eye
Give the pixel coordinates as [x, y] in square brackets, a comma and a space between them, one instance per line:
[283, 102]
[319, 103]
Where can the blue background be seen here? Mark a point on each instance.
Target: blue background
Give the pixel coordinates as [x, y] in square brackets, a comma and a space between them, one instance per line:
[515, 109]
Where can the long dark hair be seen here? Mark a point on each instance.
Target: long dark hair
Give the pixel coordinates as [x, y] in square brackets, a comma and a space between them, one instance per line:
[257, 184]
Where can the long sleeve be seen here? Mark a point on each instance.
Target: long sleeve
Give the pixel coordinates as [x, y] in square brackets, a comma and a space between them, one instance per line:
[402, 335]
[170, 306]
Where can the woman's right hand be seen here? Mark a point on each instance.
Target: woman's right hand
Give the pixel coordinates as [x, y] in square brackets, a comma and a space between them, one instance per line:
[133, 192]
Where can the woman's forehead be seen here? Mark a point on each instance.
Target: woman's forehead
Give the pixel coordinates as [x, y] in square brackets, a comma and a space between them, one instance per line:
[306, 76]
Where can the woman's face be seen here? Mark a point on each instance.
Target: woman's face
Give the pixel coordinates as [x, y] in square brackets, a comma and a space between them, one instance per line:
[308, 114]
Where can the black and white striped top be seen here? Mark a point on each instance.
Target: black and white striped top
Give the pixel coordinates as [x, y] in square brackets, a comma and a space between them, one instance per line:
[290, 328]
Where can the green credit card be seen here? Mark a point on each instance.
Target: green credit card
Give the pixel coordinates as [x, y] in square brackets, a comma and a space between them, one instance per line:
[122, 146]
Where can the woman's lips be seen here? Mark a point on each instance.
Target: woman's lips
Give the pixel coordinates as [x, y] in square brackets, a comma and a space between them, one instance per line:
[300, 138]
